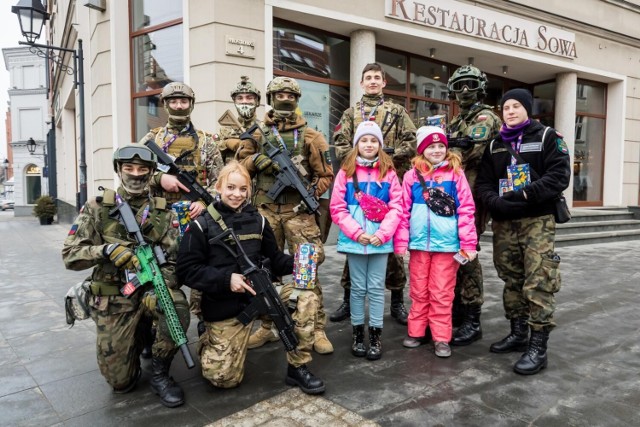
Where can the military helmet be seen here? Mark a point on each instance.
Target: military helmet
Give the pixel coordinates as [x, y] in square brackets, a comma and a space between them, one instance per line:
[178, 90]
[134, 153]
[245, 86]
[469, 76]
[283, 84]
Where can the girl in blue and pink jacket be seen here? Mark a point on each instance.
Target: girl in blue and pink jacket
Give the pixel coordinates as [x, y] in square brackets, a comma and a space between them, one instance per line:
[367, 243]
[433, 239]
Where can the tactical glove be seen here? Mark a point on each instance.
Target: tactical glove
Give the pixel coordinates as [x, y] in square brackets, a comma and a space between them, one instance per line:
[122, 257]
[261, 161]
[149, 300]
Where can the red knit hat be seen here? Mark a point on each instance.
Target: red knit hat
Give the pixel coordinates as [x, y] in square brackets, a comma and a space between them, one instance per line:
[428, 135]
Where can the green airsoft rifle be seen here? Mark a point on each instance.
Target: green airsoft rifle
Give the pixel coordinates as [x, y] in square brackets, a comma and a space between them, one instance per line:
[150, 261]
[266, 301]
[287, 173]
[187, 179]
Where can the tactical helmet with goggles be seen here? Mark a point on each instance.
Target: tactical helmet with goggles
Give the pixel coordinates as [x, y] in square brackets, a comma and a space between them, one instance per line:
[282, 84]
[245, 86]
[134, 153]
[468, 77]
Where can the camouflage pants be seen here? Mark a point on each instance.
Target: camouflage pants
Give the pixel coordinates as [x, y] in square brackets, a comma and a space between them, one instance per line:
[525, 259]
[296, 228]
[223, 347]
[396, 277]
[120, 323]
[195, 297]
[469, 283]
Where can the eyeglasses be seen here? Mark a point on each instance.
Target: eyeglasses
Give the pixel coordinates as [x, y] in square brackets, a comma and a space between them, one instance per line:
[132, 151]
[470, 84]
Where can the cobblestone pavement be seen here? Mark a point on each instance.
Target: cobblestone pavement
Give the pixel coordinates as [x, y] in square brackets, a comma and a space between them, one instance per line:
[49, 376]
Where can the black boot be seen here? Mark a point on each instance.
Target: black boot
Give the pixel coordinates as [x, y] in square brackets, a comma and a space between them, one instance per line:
[375, 345]
[163, 385]
[535, 358]
[344, 311]
[398, 311]
[517, 340]
[471, 330]
[303, 378]
[357, 348]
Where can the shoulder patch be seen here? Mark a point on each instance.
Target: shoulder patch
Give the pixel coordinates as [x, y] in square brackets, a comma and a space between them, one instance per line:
[478, 132]
[74, 229]
[562, 146]
[482, 117]
[338, 127]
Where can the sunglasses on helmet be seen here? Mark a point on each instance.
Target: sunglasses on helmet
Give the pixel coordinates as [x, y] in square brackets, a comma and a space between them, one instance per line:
[470, 84]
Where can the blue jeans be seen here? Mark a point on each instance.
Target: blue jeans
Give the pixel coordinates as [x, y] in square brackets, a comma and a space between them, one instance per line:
[367, 279]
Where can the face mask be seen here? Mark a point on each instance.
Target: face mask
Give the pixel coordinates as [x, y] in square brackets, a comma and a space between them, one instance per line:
[178, 117]
[134, 184]
[285, 108]
[246, 111]
[466, 98]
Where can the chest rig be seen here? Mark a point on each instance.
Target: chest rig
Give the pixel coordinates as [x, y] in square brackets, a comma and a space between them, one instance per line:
[184, 147]
[382, 119]
[299, 156]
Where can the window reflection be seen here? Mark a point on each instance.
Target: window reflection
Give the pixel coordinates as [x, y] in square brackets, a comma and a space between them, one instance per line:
[157, 58]
[148, 13]
[149, 113]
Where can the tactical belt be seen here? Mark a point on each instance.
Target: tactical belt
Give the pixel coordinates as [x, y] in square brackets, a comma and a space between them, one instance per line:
[104, 289]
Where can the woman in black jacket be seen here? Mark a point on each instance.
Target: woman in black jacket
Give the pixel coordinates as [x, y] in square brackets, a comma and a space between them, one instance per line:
[523, 224]
[206, 265]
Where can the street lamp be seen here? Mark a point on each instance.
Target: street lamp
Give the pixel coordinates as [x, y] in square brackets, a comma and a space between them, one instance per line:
[32, 16]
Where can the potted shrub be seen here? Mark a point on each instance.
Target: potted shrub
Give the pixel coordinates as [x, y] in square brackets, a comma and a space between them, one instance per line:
[45, 209]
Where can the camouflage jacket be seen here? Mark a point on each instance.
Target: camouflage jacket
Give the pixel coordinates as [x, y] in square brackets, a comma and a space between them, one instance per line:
[209, 161]
[228, 139]
[92, 231]
[401, 136]
[315, 151]
[480, 124]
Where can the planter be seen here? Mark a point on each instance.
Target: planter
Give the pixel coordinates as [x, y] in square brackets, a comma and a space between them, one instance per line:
[46, 220]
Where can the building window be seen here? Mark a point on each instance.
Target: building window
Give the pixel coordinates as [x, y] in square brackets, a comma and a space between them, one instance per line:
[157, 59]
[417, 83]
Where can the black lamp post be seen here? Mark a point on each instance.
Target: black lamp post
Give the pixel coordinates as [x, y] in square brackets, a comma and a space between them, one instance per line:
[32, 16]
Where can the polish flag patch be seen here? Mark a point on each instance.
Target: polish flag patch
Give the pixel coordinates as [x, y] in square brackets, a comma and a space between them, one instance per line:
[482, 117]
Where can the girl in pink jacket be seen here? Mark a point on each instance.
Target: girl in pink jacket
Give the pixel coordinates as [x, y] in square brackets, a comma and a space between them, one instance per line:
[438, 228]
[366, 236]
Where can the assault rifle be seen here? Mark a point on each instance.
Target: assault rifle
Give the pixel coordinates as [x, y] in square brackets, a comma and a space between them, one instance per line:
[266, 301]
[150, 261]
[461, 142]
[287, 173]
[187, 179]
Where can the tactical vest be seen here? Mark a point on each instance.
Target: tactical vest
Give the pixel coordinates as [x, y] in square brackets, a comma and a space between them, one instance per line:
[244, 224]
[264, 181]
[391, 139]
[106, 278]
[184, 143]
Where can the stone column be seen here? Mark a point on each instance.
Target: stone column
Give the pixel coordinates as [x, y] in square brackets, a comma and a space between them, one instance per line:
[363, 52]
[565, 117]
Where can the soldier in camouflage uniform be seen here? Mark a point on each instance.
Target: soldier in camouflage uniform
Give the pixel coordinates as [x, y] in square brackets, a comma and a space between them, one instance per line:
[246, 98]
[524, 226]
[287, 214]
[400, 136]
[474, 127]
[207, 265]
[195, 151]
[95, 240]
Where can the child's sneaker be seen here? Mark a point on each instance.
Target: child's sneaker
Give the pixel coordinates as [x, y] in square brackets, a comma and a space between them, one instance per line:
[442, 349]
[411, 342]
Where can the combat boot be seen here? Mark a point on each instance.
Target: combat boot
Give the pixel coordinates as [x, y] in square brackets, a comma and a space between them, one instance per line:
[357, 348]
[471, 330]
[375, 345]
[303, 378]
[163, 385]
[344, 311]
[321, 343]
[261, 337]
[398, 311]
[517, 340]
[535, 358]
